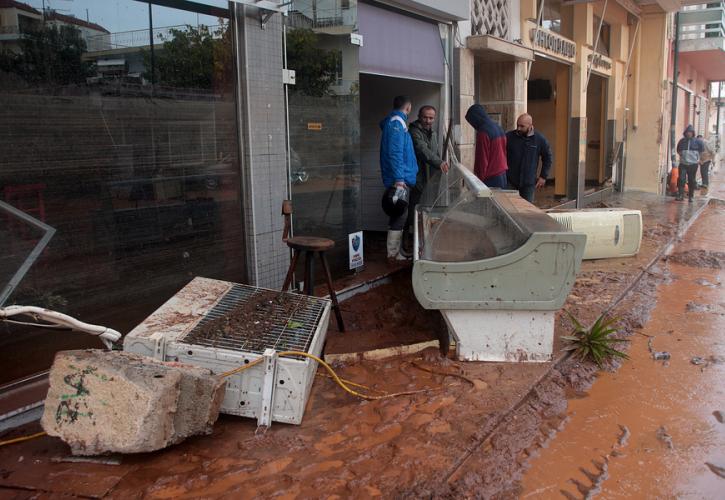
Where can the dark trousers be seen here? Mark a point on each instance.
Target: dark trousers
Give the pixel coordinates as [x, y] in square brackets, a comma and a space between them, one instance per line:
[705, 172]
[526, 192]
[689, 171]
[405, 220]
[497, 181]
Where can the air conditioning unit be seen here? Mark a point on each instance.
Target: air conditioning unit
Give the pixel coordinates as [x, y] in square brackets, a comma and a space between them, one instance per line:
[611, 232]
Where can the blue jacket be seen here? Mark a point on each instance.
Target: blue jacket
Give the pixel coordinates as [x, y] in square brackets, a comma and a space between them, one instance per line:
[523, 153]
[397, 156]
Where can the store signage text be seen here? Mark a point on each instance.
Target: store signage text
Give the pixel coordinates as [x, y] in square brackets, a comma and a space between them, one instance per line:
[355, 249]
[314, 126]
[553, 43]
[599, 61]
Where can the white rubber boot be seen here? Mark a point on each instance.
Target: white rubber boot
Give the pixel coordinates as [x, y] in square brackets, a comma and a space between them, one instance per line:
[394, 240]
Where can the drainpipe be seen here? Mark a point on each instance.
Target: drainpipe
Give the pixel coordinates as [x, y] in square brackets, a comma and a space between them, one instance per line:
[717, 119]
[675, 78]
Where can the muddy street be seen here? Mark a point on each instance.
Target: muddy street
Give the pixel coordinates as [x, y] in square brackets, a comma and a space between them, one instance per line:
[654, 428]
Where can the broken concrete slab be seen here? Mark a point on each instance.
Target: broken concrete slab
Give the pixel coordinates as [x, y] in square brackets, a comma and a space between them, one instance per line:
[103, 402]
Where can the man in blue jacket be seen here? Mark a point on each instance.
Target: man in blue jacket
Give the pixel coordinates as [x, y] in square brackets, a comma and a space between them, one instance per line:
[398, 166]
[524, 147]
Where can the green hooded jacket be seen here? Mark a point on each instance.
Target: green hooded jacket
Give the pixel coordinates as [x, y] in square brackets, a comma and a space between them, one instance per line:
[425, 143]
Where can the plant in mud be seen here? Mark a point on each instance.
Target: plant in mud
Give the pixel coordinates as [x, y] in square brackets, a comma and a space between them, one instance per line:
[594, 343]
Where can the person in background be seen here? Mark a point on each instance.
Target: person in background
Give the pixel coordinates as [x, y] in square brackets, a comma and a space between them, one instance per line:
[398, 168]
[524, 147]
[705, 161]
[689, 148]
[490, 164]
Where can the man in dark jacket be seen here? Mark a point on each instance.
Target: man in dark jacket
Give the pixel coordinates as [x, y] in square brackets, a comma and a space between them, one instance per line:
[490, 164]
[690, 149]
[425, 143]
[524, 147]
[428, 156]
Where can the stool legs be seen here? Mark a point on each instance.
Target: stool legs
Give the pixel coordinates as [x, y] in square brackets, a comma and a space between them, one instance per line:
[309, 280]
[333, 295]
[309, 273]
[290, 271]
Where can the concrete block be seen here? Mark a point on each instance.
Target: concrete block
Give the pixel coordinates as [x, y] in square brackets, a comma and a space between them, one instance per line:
[117, 402]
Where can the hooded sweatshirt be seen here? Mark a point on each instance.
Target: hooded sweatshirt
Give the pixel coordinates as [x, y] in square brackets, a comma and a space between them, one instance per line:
[690, 148]
[397, 156]
[490, 144]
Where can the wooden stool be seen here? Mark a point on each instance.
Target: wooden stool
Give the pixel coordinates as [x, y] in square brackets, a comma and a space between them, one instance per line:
[309, 245]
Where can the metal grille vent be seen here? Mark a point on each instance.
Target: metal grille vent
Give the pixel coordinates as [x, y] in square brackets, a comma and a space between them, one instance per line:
[286, 324]
[564, 220]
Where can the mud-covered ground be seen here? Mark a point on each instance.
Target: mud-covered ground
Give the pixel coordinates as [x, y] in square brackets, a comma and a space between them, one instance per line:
[471, 434]
[654, 428]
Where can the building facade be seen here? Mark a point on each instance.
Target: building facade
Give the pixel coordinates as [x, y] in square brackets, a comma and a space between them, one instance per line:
[161, 144]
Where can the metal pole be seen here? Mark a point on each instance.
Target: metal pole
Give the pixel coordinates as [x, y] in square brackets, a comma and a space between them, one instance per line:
[536, 36]
[717, 119]
[675, 77]
[596, 45]
[151, 44]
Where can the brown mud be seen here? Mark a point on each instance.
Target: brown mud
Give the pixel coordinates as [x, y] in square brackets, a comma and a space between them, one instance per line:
[471, 435]
[249, 321]
[699, 258]
[386, 316]
[672, 410]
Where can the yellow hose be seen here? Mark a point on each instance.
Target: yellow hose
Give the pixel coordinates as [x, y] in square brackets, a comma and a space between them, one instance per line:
[21, 439]
[342, 383]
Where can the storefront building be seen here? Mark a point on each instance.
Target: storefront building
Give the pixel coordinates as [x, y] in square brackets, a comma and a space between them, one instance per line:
[160, 144]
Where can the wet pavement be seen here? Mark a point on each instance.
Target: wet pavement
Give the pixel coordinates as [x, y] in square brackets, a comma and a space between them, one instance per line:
[650, 429]
[471, 434]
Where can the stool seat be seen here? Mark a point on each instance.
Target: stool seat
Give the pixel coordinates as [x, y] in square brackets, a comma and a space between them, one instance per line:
[310, 243]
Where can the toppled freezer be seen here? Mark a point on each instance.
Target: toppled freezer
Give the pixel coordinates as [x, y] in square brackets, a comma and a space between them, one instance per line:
[222, 325]
[497, 267]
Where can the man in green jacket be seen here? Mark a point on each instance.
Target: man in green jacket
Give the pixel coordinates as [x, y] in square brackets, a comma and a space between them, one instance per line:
[428, 155]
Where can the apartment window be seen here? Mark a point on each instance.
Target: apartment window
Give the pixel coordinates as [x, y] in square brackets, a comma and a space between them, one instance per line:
[604, 36]
[551, 15]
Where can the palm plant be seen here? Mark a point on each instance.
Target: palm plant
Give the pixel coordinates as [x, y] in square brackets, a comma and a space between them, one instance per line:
[594, 343]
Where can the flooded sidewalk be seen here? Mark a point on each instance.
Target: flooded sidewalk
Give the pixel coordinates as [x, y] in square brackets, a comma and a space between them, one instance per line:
[654, 428]
[469, 434]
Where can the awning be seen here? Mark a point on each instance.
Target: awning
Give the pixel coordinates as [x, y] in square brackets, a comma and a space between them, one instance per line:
[399, 46]
[493, 49]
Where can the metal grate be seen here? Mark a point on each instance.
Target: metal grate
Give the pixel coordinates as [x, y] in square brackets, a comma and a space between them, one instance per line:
[287, 331]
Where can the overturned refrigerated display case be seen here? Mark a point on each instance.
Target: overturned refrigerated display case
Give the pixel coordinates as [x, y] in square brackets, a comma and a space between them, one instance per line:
[497, 267]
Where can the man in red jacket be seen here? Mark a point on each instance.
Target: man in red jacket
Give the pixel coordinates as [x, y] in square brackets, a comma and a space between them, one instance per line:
[490, 165]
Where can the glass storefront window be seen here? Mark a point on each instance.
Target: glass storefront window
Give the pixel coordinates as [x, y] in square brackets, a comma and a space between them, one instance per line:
[118, 129]
[324, 121]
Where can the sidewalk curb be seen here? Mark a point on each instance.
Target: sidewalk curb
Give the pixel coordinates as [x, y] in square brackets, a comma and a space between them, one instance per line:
[563, 356]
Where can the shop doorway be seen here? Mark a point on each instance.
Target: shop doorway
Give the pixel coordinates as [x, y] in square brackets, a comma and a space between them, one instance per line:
[376, 100]
[548, 103]
[595, 175]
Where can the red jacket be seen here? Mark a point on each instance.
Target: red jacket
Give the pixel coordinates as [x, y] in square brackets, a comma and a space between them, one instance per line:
[490, 144]
[490, 156]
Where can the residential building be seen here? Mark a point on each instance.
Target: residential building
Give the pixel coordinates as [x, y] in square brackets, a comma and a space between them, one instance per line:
[16, 18]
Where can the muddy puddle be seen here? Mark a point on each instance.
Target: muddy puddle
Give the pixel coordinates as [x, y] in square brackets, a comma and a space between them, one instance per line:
[670, 410]
[388, 315]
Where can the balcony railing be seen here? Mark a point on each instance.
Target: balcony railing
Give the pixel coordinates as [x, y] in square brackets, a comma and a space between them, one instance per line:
[137, 38]
[703, 21]
[9, 30]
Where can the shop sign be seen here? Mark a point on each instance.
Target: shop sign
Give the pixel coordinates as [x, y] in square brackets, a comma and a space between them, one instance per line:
[553, 44]
[600, 62]
[314, 126]
[355, 249]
